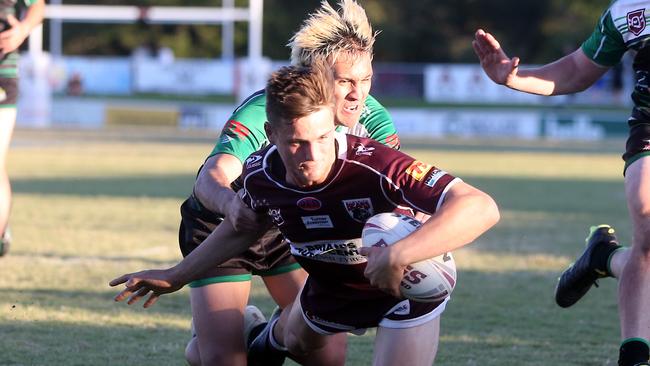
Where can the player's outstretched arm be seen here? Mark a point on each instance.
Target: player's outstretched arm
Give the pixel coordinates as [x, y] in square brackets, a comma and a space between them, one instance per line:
[224, 243]
[570, 74]
[496, 64]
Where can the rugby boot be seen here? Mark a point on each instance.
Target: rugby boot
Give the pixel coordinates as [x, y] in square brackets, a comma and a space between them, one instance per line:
[5, 242]
[576, 280]
[258, 344]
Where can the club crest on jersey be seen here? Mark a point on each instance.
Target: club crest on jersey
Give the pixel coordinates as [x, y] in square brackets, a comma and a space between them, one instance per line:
[253, 161]
[360, 149]
[360, 209]
[418, 170]
[276, 216]
[636, 21]
[309, 203]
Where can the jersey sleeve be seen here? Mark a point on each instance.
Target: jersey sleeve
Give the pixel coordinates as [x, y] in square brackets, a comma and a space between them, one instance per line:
[605, 46]
[244, 132]
[416, 184]
[379, 123]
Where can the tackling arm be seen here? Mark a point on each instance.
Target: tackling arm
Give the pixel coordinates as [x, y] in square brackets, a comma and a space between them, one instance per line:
[212, 186]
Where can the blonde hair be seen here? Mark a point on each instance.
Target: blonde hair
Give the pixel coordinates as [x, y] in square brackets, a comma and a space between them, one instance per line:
[326, 33]
[297, 91]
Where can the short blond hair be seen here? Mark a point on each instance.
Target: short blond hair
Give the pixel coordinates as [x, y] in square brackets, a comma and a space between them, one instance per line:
[326, 33]
[297, 91]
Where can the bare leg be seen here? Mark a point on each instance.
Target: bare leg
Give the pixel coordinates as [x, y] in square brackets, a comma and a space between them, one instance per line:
[217, 312]
[634, 282]
[305, 345]
[7, 122]
[285, 287]
[415, 346]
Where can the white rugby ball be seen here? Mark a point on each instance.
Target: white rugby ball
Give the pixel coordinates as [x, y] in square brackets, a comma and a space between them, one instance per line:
[430, 280]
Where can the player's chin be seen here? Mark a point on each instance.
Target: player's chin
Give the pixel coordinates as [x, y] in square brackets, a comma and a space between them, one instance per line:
[347, 119]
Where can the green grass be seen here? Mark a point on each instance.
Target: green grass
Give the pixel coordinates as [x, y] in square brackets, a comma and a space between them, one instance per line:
[90, 205]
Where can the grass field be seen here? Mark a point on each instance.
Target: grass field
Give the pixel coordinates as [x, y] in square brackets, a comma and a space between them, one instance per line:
[89, 206]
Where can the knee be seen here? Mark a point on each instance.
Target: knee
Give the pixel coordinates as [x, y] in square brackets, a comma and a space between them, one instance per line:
[192, 353]
[331, 350]
[212, 356]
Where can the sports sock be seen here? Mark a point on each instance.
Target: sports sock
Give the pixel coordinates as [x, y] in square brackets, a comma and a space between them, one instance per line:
[272, 341]
[633, 351]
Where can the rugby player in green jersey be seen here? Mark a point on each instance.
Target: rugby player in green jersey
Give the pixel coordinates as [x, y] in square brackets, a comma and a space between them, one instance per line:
[622, 27]
[12, 34]
[344, 39]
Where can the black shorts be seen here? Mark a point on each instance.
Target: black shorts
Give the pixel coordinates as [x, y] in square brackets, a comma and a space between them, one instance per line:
[638, 143]
[267, 257]
[8, 92]
[328, 312]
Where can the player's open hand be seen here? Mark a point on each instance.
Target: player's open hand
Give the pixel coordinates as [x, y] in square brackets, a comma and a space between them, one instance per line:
[496, 64]
[381, 270]
[139, 284]
[13, 37]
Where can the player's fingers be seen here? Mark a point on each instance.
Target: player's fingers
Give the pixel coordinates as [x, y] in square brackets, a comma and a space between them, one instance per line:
[477, 49]
[364, 251]
[124, 294]
[12, 20]
[142, 292]
[515, 62]
[119, 280]
[151, 300]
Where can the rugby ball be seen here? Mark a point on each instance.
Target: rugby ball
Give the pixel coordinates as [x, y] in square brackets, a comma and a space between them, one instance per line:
[430, 280]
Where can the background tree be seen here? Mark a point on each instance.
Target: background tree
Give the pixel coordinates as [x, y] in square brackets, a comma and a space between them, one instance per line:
[411, 31]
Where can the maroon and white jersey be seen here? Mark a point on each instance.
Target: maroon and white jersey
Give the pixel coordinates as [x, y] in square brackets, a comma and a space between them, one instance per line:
[323, 224]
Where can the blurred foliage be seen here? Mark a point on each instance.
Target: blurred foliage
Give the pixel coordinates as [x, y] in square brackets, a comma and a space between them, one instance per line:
[411, 31]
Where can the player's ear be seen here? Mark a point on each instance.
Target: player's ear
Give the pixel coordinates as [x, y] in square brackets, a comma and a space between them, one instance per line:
[270, 133]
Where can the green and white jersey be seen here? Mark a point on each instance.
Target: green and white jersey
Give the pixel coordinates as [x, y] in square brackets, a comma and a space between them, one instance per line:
[244, 133]
[9, 62]
[622, 27]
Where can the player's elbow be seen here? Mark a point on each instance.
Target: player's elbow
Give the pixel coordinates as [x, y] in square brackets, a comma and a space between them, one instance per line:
[489, 210]
[494, 213]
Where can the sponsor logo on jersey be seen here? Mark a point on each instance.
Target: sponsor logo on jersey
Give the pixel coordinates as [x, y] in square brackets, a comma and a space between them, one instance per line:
[309, 203]
[225, 139]
[236, 129]
[360, 149]
[433, 178]
[646, 145]
[636, 21]
[253, 161]
[336, 248]
[359, 209]
[317, 222]
[276, 216]
[418, 170]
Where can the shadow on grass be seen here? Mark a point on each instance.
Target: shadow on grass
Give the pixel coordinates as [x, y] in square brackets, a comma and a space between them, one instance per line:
[158, 186]
[95, 258]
